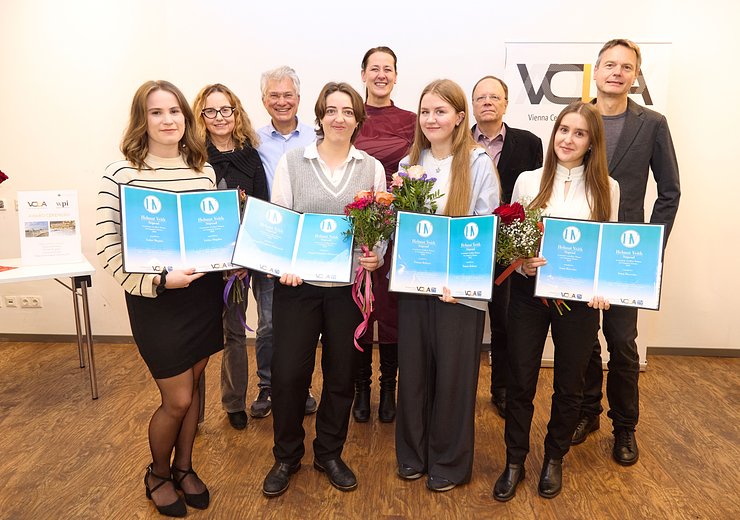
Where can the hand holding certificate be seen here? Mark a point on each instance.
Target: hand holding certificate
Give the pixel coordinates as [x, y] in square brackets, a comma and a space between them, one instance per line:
[619, 262]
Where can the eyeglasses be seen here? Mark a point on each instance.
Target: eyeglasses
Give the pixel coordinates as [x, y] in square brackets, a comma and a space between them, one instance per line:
[489, 97]
[210, 113]
[275, 96]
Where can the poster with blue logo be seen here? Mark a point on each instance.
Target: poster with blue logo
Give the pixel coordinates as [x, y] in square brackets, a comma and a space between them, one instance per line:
[571, 250]
[163, 229]
[435, 251]
[621, 262]
[276, 240]
[630, 266]
[266, 237]
[323, 251]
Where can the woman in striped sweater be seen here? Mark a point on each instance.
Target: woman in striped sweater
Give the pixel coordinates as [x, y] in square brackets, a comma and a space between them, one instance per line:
[175, 316]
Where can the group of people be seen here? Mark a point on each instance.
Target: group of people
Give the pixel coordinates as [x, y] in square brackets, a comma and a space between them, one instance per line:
[595, 167]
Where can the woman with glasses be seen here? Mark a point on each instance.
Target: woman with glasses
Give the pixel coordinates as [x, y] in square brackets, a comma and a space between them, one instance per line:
[386, 135]
[322, 177]
[175, 316]
[574, 183]
[231, 141]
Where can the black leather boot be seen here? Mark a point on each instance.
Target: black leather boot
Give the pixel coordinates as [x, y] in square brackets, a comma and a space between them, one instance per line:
[388, 370]
[551, 478]
[361, 405]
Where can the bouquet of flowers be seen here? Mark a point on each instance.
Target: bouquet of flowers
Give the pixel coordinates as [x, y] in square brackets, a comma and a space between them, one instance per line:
[237, 289]
[519, 237]
[371, 220]
[412, 189]
[519, 233]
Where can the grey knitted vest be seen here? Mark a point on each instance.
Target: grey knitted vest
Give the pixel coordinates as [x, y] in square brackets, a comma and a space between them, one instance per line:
[312, 191]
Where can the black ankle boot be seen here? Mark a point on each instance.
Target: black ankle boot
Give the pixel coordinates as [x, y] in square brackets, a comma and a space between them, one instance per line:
[551, 478]
[388, 370]
[361, 406]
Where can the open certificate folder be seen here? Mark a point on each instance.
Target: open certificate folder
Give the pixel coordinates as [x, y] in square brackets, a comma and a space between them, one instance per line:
[434, 251]
[164, 229]
[622, 262]
[276, 240]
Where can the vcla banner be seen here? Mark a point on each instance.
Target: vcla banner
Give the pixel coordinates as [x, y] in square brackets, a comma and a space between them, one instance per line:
[545, 77]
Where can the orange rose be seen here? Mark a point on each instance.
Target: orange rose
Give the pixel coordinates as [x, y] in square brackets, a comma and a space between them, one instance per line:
[385, 198]
[363, 194]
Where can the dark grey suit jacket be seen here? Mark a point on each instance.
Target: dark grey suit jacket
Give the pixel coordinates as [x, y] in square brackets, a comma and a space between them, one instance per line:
[645, 143]
[522, 152]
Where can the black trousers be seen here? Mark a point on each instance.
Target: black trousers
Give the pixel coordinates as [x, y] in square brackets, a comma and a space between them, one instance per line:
[620, 331]
[498, 309]
[438, 361]
[573, 333]
[299, 315]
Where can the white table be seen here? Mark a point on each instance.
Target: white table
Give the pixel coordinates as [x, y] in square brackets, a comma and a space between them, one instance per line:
[80, 273]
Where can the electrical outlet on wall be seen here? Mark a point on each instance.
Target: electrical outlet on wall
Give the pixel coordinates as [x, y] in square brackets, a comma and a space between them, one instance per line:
[11, 301]
[31, 302]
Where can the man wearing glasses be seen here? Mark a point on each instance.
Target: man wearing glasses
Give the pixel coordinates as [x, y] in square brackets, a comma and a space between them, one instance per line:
[281, 94]
[513, 151]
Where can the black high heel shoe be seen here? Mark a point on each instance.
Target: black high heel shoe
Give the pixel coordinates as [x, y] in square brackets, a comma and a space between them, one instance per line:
[176, 508]
[196, 500]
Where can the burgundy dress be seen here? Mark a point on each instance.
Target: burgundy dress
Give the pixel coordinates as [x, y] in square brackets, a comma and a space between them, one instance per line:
[386, 134]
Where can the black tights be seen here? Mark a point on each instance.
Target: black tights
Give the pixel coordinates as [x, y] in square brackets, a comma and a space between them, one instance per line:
[173, 427]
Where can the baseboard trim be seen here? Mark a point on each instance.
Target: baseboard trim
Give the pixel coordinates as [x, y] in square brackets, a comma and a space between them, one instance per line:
[693, 351]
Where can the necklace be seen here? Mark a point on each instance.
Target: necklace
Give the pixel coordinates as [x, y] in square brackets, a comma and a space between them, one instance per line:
[438, 162]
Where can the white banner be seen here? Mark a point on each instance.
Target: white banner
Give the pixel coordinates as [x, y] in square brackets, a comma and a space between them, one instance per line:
[545, 77]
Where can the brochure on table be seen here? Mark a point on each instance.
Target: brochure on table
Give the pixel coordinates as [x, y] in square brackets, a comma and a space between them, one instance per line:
[622, 262]
[49, 227]
[435, 251]
[276, 240]
[164, 229]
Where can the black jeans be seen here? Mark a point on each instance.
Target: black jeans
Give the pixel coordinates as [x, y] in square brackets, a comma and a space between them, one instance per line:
[620, 331]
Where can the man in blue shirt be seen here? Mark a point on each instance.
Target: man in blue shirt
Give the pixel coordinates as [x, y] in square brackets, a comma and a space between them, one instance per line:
[281, 94]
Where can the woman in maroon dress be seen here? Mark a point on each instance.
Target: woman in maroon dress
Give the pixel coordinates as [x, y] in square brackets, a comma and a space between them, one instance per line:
[386, 135]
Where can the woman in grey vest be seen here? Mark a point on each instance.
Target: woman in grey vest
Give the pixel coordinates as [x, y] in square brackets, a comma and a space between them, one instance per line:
[323, 177]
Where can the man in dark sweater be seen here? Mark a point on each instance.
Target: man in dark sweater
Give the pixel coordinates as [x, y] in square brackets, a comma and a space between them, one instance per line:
[513, 151]
[637, 140]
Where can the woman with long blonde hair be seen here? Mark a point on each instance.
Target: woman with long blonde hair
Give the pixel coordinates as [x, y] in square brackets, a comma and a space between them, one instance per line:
[439, 337]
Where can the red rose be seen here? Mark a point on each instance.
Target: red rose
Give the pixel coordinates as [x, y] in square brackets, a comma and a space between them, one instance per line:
[3, 177]
[508, 213]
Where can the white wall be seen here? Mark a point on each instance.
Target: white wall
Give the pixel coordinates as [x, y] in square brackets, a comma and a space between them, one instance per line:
[69, 70]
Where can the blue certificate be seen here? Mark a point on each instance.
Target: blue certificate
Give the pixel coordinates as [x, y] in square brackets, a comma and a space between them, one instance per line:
[266, 238]
[163, 229]
[434, 251]
[276, 240]
[631, 264]
[621, 262]
[571, 248]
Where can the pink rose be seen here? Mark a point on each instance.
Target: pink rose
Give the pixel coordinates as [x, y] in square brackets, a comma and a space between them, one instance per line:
[415, 172]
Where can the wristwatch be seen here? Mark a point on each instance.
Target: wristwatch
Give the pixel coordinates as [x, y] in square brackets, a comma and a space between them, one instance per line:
[162, 282]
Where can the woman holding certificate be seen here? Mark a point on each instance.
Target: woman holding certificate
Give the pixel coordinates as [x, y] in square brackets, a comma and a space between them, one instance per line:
[231, 142]
[439, 338]
[574, 183]
[175, 316]
[386, 135]
[323, 177]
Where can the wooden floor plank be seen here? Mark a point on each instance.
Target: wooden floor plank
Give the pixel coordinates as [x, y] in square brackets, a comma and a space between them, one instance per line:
[67, 456]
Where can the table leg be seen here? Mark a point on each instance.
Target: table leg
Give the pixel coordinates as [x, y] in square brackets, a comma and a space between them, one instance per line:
[78, 326]
[88, 334]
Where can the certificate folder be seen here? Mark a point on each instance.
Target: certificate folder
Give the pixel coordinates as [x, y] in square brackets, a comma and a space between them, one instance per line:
[178, 230]
[435, 251]
[277, 240]
[623, 262]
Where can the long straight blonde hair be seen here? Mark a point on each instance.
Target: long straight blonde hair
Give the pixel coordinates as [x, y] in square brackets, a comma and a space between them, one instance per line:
[458, 198]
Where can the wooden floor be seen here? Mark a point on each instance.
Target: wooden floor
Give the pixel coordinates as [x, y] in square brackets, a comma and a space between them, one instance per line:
[67, 456]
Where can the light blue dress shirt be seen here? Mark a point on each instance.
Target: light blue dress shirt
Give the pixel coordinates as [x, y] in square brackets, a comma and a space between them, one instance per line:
[273, 146]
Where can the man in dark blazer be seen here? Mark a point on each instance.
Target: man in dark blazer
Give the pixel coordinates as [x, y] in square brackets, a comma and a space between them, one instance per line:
[637, 140]
[513, 151]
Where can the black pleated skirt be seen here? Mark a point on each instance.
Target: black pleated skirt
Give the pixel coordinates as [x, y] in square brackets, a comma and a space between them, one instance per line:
[179, 327]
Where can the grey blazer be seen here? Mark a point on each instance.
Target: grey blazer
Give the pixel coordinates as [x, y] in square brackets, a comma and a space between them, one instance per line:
[645, 143]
